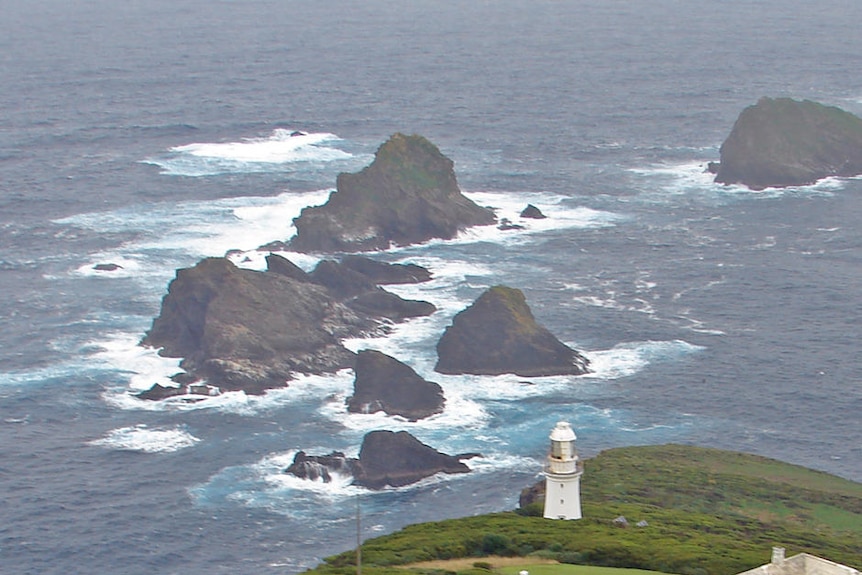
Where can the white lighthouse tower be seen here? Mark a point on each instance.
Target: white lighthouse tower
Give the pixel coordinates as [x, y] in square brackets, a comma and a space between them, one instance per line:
[563, 475]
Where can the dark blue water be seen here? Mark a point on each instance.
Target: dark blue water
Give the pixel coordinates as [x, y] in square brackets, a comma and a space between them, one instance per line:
[151, 134]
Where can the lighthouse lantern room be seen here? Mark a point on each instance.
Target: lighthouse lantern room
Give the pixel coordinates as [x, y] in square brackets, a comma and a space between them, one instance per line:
[563, 475]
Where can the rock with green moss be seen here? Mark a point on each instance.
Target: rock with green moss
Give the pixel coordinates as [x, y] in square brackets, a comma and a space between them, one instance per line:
[781, 142]
[407, 195]
[498, 334]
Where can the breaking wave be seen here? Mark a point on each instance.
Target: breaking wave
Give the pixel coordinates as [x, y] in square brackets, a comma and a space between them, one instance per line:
[282, 150]
[147, 440]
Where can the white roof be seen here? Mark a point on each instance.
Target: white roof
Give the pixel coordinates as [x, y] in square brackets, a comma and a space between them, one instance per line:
[563, 432]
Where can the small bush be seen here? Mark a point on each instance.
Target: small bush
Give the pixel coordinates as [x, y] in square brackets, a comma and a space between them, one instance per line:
[496, 544]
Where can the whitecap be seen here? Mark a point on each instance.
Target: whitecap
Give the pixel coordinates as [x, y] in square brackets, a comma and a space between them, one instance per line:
[561, 214]
[280, 150]
[693, 179]
[188, 231]
[147, 440]
[626, 359]
[144, 366]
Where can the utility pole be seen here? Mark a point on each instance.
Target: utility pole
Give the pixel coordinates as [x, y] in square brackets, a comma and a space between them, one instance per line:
[358, 539]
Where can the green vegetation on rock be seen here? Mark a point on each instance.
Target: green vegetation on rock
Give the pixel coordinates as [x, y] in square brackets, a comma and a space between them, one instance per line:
[707, 512]
[409, 194]
[783, 142]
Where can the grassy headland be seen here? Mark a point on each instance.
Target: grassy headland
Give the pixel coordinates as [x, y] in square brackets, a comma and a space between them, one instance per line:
[707, 512]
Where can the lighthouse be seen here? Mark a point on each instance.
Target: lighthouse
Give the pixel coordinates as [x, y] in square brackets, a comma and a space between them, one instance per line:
[563, 475]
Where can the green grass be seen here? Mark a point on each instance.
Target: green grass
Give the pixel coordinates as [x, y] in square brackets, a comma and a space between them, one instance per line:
[566, 569]
[709, 512]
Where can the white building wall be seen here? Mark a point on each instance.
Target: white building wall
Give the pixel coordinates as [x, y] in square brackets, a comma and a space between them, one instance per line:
[562, 496]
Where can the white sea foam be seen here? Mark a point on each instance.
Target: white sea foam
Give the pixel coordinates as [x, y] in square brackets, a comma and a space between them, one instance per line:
[459, 413]
[560, 212]
[265, 484]
[610, 301]
[282, 149]
[626, 359]
[309, 388]
[692, 178]
[143, 364]
[169, 236]
[148, 440]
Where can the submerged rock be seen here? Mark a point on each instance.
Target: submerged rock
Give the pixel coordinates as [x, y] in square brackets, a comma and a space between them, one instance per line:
[407, 195]
[385, 384]
[783, 142]
[497, 334]
[190, 393]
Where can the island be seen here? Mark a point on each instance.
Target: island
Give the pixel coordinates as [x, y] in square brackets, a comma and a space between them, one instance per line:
[386, 459]
[241, 329]
[498, 334]
[383, 383]
[408, 195]
[780, 142]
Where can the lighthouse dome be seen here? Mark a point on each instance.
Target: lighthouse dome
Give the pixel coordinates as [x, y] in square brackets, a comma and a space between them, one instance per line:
[563, 432]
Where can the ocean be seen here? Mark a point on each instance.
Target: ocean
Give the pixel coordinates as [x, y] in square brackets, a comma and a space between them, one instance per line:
[150, 134]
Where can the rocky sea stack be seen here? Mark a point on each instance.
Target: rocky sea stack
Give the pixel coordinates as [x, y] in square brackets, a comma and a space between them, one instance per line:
[407, 195]
[783, 142]
[497, 334]
[397, 458]
[239, 329]
[385, 384]
[250, 330]
[386, 458]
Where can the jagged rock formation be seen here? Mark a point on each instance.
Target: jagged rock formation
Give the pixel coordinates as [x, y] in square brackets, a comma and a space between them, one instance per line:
[384, 273]
[249, 330]
[386, 458]
[532, 212]
[385, 384]
[533, 494]
[342, 282]
[407, 195]
[384, 304]
[321, 467]
[783, 142]
[396, 459]
[283, 266]
[358, 291]
[498, 334]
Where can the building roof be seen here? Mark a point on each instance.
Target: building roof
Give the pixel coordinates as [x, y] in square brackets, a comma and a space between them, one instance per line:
[801, 564]
[563, 432]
